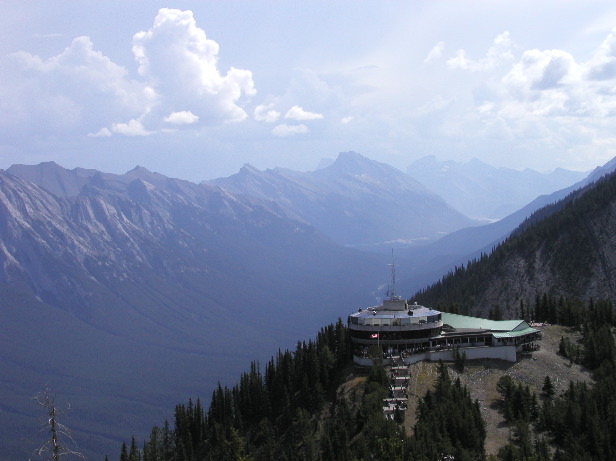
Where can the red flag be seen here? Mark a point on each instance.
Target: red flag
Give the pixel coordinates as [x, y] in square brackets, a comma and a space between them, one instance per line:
[374, 336]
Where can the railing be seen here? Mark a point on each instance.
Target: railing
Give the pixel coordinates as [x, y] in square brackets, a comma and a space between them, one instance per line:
[390, 327]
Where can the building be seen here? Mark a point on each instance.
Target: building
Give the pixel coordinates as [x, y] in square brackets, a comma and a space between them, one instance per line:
[414, 333]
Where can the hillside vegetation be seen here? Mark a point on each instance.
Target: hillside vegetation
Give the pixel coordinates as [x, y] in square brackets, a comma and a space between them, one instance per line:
[567, 249]
[310, 405]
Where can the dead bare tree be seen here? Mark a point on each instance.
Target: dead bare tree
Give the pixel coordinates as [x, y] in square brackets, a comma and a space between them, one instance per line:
[58, 432]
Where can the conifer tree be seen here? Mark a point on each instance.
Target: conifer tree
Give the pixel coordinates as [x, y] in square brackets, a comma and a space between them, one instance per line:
[548, 387]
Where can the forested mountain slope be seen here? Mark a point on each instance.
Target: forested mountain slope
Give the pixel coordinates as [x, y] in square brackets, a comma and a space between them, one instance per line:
[426, 264]
[568, 249]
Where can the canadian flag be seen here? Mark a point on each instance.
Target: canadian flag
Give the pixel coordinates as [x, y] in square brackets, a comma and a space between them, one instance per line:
[374, 336]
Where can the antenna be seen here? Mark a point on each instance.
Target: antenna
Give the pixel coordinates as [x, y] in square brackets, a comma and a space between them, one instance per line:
[392, 290]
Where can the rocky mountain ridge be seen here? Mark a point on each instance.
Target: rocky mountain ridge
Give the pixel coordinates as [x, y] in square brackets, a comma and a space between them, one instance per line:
[355, 201]
[107, 293]
[480, 190]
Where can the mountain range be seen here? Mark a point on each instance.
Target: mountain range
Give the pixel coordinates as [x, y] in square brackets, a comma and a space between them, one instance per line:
[355, 201]
[128, 293]
[565, 249]
[143, 289]
[482, 191]
[424, 265]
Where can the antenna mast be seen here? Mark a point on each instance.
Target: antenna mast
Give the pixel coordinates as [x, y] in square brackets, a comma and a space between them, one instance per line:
[392, 290]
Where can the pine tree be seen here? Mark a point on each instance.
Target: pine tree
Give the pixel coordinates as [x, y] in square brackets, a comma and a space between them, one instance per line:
[548, 387]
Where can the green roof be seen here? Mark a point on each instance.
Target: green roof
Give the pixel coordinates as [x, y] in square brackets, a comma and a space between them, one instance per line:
[463, 322]
[513, 334]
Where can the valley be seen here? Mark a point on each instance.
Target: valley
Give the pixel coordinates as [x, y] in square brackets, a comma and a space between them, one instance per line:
[163, 288]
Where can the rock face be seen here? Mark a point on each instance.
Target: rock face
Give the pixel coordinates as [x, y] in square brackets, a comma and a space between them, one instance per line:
[355, 201]
[126, 294]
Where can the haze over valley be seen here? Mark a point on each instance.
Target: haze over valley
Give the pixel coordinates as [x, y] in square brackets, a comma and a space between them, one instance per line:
[191, 191]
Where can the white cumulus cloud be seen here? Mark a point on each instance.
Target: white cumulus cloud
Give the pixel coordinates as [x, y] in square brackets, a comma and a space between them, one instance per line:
[266, 113]
[500, 51]
[602, 66]
[82, 91]
[184, 117]
[551, 100]
[78, 90]
[297, 113]
[285, 129]
[181, 64]
[132, 128]
[539, 71]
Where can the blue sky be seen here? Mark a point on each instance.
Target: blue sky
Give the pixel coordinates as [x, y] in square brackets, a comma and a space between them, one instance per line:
[197, 89]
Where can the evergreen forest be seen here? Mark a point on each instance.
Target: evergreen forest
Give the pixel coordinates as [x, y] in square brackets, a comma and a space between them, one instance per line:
[296, 409]
[312, 404]
[561, 244]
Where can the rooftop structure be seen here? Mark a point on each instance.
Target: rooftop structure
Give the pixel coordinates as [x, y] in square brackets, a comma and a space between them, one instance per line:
[414, 332]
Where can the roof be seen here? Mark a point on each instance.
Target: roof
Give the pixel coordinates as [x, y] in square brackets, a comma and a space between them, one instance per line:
[513, 334]
[463, 322]
[380, 312]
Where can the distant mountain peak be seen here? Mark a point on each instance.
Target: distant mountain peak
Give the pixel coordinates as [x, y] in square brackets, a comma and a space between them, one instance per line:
[353, 163]
[350, 154]
[355, 200]
[139, 169]
[249, 169]
[483, 191]
[143, 173]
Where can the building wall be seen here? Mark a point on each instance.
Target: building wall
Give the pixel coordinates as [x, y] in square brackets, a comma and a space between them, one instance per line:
[507, 353]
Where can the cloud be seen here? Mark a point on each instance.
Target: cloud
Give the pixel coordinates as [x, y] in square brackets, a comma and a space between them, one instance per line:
[184, 117]
[602, 66]
[435, 53]
[266, 113]
[78, 90]
[132, 128]
[82, 91]
[346, 120]
[500, 51]
[181, 65]
[289, 130]
[102, 133]
[549, 100]
[297, 113]
[540, 70]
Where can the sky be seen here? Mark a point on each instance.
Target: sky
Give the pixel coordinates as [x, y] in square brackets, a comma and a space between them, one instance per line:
[195, 90]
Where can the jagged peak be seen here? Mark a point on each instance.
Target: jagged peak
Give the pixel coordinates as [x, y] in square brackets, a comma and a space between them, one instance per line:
[41, 166]
[354, 163]
[143, 173]
[247, 168]
[350, 159]
[139, 169]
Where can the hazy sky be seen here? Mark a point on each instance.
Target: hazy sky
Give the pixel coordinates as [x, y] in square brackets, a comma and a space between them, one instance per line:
[196, 89]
